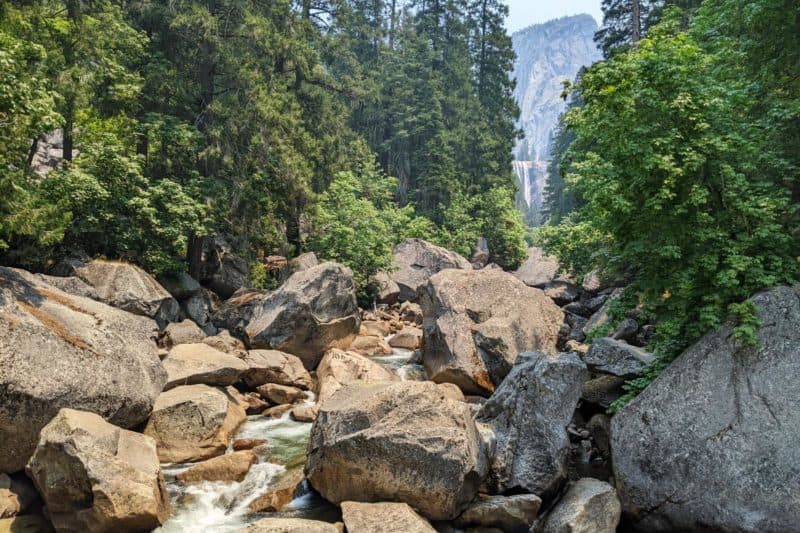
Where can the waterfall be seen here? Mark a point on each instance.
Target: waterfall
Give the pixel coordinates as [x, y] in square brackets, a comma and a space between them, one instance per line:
[523, 171]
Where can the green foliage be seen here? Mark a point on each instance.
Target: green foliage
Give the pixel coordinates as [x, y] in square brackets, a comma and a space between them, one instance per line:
[358, 224]
[685, 154]
[27, 109]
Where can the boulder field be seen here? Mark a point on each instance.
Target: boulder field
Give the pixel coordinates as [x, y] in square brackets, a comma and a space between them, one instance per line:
[497, 423]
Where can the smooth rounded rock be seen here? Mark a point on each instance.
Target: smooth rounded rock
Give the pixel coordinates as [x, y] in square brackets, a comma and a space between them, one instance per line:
[397, 442]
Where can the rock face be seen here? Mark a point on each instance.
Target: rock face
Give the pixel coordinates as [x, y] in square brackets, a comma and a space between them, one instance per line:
[315, 310]
[384, 517]
[477, 321]
[528, 414]
[538, 270]
[193, 423]
[617, 358]
[128, 287]
[397, 442]
[94, 476]
[590, 506]
[59, 350]
[272, 366]
[712, 443]
[416, 261]
[192, 364]
[510, 514]
[547, 54]
[215, 264]
[339, 368]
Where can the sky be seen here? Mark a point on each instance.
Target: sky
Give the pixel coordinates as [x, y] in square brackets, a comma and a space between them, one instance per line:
[527, 12]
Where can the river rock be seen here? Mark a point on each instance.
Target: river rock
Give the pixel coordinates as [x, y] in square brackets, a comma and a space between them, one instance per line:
[538, 269]
[388, 292]
[281, 394]
[590, 506]
[397, 442]
[58, 350]
[201, 309]
[384, 517]
[290, 525]
[280, 493]
[191, 364]
[128, 287]
[230, 467]
[377, 328]
[304, 413]
[601, 318]
[711, 444]
[477, 321]
[193, 423]
[511, 514]
[94, 476]
[273, 366]
[26, 524]
[186, 332]
[409, 338]
[17, 495]
[181, 286]
[617, 358]
[416, 261]
[224, 342]
[529, 414]
[315, 310]
[339, 368]
[213, 261]
[561, 292]
[370, 346]
[603, 390]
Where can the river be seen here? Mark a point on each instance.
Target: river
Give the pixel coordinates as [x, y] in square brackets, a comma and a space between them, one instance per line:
[224, 507]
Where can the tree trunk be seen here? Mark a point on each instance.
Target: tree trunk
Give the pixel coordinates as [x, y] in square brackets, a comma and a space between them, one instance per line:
[636, 21]
[392, 23]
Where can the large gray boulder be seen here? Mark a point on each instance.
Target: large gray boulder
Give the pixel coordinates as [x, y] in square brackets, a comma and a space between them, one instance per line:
[213, 262]
[589, 506]
[96, 477]
[616, 358]
[315, 310]
[711, 444]
[529, 414]
[272, 366]
[415, 261]
[127, 287]
[511, 514]
[199, 363]
[58, 350]
[397, 442]
[194, 423]
[538, 269]
[384, 517]
[476, 322]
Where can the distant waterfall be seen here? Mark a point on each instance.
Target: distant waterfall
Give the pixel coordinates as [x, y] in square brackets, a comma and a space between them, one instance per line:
[522, 170]
[532, 179]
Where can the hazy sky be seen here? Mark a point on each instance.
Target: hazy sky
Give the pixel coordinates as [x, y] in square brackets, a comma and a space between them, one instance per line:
[527, 12]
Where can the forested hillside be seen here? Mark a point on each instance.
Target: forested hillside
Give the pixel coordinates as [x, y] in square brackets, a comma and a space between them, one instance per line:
[679, 163]
[338, 126]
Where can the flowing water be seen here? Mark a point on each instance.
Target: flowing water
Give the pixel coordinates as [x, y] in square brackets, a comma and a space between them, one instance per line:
[220, 507]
